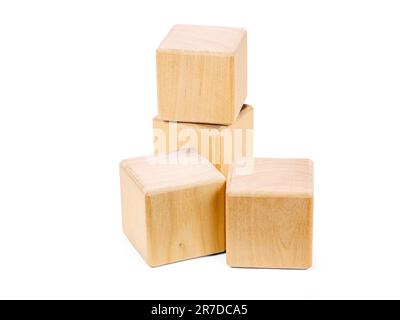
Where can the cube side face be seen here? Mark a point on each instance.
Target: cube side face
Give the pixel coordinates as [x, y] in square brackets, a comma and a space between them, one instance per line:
[237, 140]
[240, 67]
[195, 87]
[186, 224]
[268, 232]
[219, 145]
[133, 213]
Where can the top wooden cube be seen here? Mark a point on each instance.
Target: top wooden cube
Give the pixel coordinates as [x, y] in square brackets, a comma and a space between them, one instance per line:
[202, 74]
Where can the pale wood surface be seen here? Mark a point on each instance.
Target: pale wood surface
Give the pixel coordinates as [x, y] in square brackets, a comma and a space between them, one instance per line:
[245, 124]
[287, 177]
[187, 223]
[202, 74]
[133, 206]
[269, 218]
[173, 212]
[167, 175]
[193, 135]
[203, 39]
[240, 74]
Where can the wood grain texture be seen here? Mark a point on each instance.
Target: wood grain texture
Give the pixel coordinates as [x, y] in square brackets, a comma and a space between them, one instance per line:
[172, 211]
[133, 207]
[287, 177]
[270, 215]
[186, 223]
[221, 145]
[202, 74]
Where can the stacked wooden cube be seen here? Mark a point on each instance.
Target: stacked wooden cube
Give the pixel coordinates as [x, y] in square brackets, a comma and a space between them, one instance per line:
[202, 85]
[202, 192]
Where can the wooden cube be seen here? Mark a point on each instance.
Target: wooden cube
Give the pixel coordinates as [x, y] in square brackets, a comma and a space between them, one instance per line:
[221, 145]
[173, 208]
[270, 215]
[202, 74]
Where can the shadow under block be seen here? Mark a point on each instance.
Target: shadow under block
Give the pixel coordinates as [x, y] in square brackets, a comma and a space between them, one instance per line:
[202, 74]
[221, 145]
[270, 215]
[172, 212]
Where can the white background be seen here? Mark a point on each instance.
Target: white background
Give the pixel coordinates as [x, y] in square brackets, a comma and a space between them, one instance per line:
[77, 95]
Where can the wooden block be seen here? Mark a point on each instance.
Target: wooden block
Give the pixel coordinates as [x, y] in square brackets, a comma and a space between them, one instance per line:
[221, 145]
[270, 215]
[173, 210]
[202, 74]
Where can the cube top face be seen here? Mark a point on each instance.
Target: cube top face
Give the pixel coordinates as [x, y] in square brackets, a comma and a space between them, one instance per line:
[203, 39]
[274, 177]
[202, 74]
[171, 172]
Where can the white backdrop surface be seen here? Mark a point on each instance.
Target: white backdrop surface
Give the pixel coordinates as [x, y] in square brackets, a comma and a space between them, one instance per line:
[77, 95]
